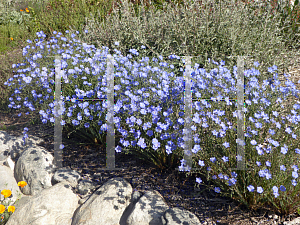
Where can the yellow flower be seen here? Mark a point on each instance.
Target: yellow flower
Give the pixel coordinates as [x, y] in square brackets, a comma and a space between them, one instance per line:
[2, 209]
[12, 39]
[11, 209]
[27, 10]
[6, 193]
[22, 183]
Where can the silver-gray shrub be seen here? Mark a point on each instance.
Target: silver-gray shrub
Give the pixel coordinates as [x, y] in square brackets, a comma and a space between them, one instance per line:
[189, 30]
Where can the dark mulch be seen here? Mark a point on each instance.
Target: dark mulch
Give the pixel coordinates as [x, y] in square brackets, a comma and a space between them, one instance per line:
[177, 189]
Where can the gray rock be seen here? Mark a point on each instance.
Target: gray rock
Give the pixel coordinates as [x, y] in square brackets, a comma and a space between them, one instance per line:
[52, 195]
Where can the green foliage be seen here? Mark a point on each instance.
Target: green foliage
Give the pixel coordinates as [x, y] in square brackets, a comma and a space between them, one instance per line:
[289, 18]
[292, 15]
[174, 31]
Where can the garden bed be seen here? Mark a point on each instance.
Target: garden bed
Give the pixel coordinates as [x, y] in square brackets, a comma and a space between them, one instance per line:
[177, 189]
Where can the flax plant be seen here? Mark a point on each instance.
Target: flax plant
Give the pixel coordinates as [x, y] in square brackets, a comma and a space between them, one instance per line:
[159, 103]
